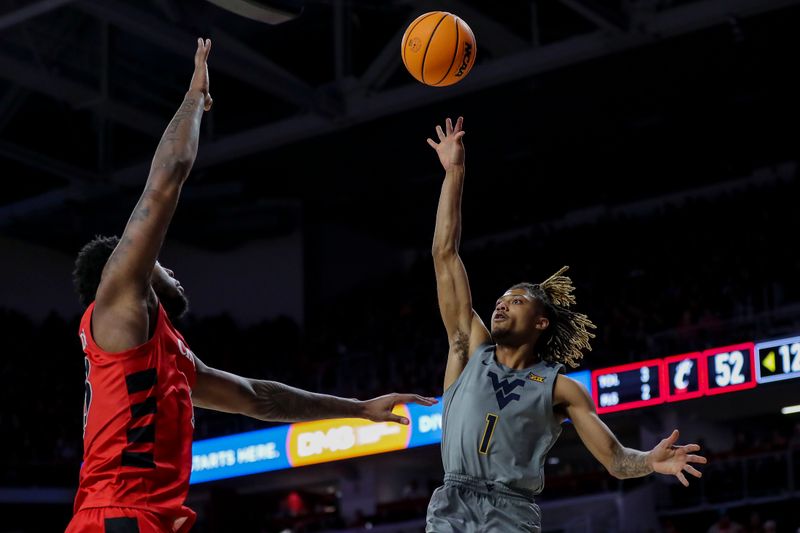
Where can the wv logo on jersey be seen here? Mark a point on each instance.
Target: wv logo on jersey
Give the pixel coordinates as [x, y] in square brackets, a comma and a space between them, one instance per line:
[504, 390]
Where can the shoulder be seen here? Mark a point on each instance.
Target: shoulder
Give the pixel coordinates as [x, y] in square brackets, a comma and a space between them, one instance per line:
[568, 391]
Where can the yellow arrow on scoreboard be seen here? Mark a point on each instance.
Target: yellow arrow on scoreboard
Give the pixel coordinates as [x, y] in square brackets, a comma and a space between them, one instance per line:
[769, 362]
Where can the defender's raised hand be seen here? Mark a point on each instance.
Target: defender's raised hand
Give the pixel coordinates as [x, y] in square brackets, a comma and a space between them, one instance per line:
[200, 76]
[450, 148]
[667, 458]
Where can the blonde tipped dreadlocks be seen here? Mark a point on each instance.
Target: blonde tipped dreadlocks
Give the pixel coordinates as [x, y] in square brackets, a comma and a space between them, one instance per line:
[568, 334]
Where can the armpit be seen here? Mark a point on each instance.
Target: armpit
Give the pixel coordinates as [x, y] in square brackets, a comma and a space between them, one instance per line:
[461, 345]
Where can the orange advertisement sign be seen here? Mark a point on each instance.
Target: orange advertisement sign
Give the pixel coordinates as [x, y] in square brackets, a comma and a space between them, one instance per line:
[321, 441]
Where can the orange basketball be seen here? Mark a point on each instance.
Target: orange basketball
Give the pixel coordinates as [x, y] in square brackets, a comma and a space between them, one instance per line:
[438, 49]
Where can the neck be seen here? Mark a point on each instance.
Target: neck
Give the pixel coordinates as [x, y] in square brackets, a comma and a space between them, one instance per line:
[152, 301]
[152, 309]
[516, 357]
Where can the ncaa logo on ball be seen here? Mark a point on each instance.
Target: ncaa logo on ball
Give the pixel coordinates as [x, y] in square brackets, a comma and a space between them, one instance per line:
[415, 44]
[465, 61]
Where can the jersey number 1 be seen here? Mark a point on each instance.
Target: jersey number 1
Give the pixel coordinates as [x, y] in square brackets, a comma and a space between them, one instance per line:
[491, 422]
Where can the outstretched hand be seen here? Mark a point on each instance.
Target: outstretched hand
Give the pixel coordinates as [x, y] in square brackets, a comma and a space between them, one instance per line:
[380, 409]
[200, 76]
[667, 458]
[450, 147]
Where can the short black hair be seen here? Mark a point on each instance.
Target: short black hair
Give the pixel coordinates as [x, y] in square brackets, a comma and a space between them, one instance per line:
[89, 266]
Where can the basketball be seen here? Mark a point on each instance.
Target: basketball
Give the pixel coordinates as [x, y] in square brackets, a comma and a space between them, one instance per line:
[438, 49]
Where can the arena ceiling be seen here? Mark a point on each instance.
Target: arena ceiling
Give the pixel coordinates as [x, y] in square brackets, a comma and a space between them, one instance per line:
[571, 103]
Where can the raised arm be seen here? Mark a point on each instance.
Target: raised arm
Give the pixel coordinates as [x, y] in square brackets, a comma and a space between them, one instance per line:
[465, 330]
[273, 401]
[120, 319]
[621, 462]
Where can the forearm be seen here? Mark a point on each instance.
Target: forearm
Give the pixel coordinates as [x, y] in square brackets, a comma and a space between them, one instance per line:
[177, 149]
[627, 463]
[277, 402]
[447, 236]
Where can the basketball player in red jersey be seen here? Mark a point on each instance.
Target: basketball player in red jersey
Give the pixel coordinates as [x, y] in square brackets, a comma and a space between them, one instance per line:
[142, 379]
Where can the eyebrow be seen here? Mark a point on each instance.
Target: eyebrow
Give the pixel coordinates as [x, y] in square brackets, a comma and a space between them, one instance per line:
[526, 296]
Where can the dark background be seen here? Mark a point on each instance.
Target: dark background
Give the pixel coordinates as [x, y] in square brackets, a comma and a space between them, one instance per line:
[649, 144]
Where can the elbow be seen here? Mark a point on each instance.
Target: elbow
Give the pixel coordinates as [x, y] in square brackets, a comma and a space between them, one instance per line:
[173, 168]
[443, 251]
[180, 165]
[612, 463]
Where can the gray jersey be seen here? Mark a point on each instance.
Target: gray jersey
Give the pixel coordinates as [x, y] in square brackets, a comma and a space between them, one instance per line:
[498, 423]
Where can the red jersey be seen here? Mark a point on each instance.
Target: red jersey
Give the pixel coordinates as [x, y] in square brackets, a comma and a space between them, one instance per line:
[137, 424]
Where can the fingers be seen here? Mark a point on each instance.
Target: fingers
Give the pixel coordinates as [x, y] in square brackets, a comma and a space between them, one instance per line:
[433, 144]
[449, 129]
[203, 49]
[672, 439]
[690, 448]
[692, 470]
[682, 479]
[696, 459]
[460, 134]
[209, 103]
[417, 399]
[391, 417]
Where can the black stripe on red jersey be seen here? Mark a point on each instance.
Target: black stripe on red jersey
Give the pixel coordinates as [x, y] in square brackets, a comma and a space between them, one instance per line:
[138, 459]
[122, 524]
[139, 381]
[142, 434]
[147, 407]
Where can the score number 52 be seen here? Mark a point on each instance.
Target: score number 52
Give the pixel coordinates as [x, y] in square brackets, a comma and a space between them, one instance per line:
[728, 368]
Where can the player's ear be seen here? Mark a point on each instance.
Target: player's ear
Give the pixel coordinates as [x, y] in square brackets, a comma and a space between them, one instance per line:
[542, 323]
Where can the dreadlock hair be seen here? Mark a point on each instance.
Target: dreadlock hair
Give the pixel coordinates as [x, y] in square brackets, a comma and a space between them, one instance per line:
[568, 333]
[89, 266]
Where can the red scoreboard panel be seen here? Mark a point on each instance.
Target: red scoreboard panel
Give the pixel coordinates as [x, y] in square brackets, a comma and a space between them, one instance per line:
[730, 368]
[628, 386]
[685, 377]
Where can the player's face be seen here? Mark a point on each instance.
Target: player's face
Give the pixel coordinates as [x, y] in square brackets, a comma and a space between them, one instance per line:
[169, 291]
[517, 317]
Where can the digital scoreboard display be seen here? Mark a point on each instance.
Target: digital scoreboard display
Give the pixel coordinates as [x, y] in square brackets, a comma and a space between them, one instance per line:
[685, 377]
[628, 386]
[730, 368]
[777, 360]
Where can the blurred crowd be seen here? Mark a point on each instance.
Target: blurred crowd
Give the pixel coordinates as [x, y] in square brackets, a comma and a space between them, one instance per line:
[700, 274]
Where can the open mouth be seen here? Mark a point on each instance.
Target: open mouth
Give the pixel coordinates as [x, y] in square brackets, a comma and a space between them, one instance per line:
[499, 317]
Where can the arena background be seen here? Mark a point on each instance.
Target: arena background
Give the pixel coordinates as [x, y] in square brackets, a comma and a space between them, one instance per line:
[652, 145]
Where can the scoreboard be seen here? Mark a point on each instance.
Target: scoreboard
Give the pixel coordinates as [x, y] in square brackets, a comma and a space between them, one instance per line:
[696, 374]
[730, 368]
[628, 386]
[685, 377]
[778, 360]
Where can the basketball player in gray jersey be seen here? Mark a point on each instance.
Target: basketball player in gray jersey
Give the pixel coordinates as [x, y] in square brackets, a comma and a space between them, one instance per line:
[505, 393]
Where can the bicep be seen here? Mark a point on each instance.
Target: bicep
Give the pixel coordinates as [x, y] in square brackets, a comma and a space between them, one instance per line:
[594, 433]
[462, 347]
[221, 391]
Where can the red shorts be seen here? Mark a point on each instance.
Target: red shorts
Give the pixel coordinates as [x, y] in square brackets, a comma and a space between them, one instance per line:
[126, 520]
